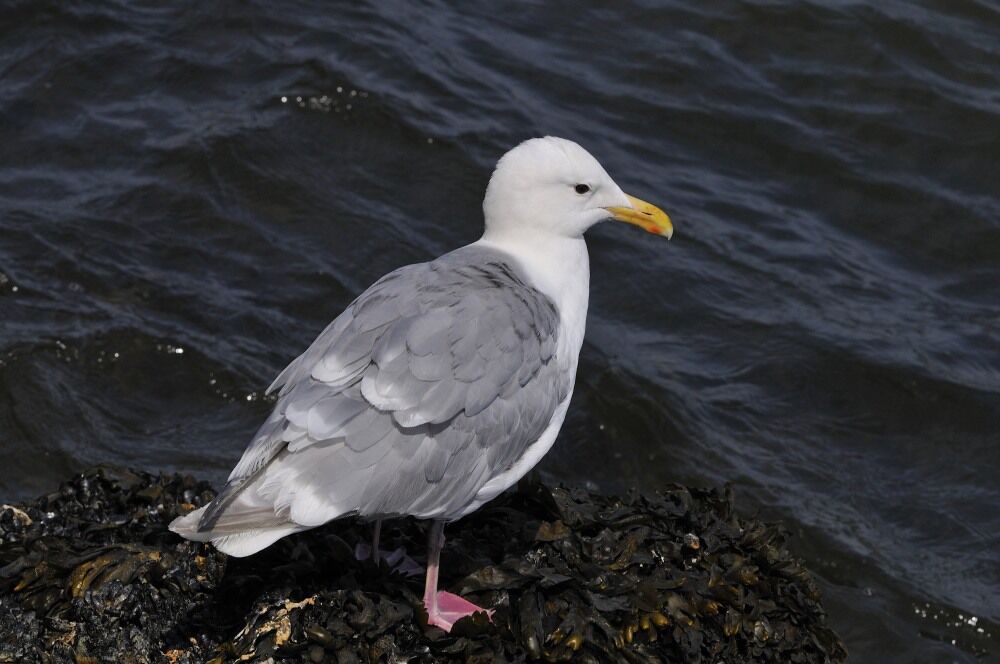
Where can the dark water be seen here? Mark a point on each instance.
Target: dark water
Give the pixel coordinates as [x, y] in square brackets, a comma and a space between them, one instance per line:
[189, 194]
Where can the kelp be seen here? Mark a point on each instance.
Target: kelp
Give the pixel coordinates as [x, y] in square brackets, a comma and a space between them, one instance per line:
[91, 573]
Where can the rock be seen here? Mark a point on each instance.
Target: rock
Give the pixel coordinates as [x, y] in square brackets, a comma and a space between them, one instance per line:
[91, 573]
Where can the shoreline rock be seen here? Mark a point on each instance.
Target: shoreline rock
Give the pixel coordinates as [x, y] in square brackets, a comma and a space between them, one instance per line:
[90, 573]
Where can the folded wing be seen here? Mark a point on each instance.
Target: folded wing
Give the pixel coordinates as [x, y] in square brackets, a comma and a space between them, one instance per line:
[432, 382]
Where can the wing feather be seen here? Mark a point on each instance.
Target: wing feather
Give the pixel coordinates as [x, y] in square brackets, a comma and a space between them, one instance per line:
[434, 381]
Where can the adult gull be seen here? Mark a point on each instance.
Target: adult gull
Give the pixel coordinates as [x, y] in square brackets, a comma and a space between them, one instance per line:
[443, 383]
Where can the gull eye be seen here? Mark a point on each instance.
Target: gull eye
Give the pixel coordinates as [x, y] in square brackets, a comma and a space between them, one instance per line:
[582, 189]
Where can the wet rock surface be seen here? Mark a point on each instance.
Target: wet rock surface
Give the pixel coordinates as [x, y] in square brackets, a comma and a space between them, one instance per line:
[90, 573]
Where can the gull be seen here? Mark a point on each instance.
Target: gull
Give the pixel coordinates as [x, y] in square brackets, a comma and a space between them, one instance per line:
[441, 385]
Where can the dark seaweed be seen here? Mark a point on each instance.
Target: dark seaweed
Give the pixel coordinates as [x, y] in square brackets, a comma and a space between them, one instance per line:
[90, 573]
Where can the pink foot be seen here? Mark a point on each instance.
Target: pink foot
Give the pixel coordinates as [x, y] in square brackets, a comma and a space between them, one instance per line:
[451, 608]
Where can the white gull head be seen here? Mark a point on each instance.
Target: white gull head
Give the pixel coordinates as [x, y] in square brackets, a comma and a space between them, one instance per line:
[552, 186]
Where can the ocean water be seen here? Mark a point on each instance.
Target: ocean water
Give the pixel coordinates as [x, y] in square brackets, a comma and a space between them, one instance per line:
[189, 192]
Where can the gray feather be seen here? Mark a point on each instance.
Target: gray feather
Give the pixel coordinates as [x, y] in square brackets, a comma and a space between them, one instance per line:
[434, 381]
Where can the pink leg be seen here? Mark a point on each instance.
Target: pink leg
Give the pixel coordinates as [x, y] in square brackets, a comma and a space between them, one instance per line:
[397, 560]
[375, 536]
[443, 608]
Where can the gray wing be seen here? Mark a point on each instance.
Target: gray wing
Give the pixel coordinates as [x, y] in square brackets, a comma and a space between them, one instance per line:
[432, 382]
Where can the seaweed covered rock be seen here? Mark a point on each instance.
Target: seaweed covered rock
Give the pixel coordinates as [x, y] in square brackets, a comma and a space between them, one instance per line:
[90, 573]
[91, 569]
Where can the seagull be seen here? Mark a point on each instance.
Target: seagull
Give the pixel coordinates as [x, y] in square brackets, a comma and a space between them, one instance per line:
[441, 385]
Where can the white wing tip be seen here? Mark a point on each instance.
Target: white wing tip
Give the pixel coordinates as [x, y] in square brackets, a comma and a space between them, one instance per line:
[187, 526]
[238, 545]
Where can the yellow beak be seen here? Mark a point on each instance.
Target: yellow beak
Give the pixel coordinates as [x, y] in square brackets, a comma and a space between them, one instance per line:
[644, 215]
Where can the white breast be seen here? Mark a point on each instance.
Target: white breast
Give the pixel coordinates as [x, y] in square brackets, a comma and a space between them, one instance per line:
[561, 270]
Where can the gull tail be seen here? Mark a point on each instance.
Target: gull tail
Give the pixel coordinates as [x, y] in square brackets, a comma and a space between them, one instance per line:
[235, 523]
